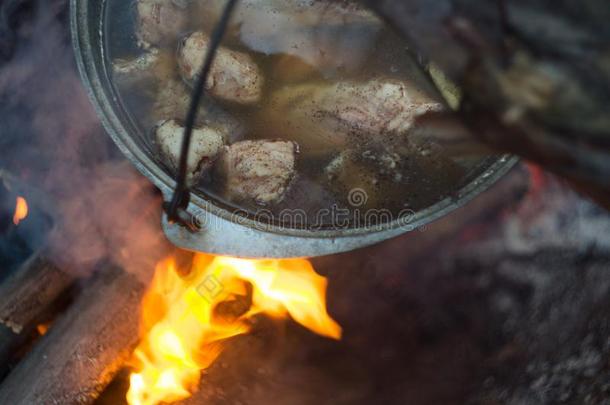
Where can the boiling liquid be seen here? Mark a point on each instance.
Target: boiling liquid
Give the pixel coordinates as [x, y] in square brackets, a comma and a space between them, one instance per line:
[347, 51]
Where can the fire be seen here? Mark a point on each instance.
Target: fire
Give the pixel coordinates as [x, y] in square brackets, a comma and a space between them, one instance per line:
[43, 328]
[186, 318]
[21, 210]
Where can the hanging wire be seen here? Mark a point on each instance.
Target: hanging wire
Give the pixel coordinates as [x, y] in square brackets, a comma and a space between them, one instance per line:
[176, 208]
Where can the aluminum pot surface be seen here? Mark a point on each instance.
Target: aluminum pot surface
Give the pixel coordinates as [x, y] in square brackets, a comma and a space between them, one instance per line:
[224, 232]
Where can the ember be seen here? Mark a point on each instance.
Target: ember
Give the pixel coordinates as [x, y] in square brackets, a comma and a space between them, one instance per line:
[42, 328]
[21, 210]
[185, 319]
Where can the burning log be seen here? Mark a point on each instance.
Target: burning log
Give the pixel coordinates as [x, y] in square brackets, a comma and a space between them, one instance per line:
[10, 346]
[31, 292]
[83, 349]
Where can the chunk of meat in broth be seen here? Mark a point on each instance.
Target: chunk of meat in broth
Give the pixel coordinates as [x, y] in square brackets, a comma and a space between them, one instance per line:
[138, 67]
[234, 75]
[206, 144]
[328, 35]
[146, 71]
[172, 102]
[160, 21]
[325, 118]
[257, 171]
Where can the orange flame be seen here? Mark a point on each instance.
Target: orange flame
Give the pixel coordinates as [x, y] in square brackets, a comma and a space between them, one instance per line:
[21, 210]
[183, 326]
[43, 328]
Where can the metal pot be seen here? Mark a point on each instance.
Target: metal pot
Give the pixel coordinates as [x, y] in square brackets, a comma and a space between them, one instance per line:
[223, 232]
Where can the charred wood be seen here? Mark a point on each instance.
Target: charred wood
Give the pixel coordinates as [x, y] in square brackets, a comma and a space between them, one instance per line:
[84, 348]
[10, 342]
[31, 292]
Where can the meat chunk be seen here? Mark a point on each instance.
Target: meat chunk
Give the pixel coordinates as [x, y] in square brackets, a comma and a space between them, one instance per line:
[172, 102]
[159, 21]
[234, 75]
[206, 144]
[323, 118]
[328, 35]
[145, 71]
[259, 171]
[139, 66]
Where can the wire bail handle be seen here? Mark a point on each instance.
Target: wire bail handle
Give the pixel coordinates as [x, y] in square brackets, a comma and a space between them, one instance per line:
[176, 208]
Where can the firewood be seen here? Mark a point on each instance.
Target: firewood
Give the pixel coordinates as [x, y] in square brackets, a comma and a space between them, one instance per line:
[31, 292]
[10, 344]
[84, 348]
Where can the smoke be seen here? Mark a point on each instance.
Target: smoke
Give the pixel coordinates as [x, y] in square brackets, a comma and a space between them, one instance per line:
[52, 139]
